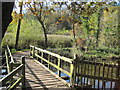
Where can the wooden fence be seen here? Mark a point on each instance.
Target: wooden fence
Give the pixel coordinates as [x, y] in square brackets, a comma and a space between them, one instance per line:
[83, 73]
[97, 74]
[16, 72]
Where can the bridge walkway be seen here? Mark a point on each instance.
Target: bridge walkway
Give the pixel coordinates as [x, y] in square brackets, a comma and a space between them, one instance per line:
[37, 76]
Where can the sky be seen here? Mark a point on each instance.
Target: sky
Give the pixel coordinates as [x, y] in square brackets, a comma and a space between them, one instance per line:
[17, 8]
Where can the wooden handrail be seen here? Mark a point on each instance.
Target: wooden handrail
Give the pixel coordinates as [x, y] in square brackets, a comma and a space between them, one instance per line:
[10, 55]
[9, 59]
[54, 65]
[11, 74]
[53, 54]
[60, 58]
[80, 68]
[98, 63]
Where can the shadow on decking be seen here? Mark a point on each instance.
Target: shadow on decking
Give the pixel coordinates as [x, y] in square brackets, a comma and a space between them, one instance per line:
[37, 78]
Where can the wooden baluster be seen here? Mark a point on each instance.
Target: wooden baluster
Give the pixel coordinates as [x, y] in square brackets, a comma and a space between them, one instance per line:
[108, 71]
[118, 71]
[94, 72]
[30, 51]
[103, 81]
[33, 51]
[11, 68]
[84, 73]
[81, 71]
[91, 72]
[42, 55]
[88, 71]
[23, 73]
[78, 69]
[75, 67]
[99, 69]
[117, 84]
[38, 54]
[59, 66]
[72, 81]
[49, 61]
[111, 76]
[7, 61]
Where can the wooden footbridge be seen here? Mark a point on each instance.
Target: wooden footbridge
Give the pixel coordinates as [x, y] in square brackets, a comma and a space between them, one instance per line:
[34, 70]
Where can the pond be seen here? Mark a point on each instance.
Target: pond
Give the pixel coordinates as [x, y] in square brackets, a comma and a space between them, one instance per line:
[2, 72]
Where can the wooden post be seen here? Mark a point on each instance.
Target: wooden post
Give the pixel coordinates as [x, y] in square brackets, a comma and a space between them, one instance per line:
[59, 66]
[30, 51]
[7, 61]
[37, 54]
[42, 57]
[11, 68]
[72, 74]
[73, 71]
[103, 75]
[49, 61]
[33, 52]
[117, 85]
[23, 73]
[118, 70]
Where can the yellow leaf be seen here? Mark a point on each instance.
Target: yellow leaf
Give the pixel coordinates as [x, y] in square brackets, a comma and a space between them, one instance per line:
[57, 22]
[62, 17]
[21, 15]
[27, 2]
[20, 3]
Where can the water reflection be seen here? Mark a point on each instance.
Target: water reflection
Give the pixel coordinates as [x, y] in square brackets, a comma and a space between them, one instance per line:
[88, 81]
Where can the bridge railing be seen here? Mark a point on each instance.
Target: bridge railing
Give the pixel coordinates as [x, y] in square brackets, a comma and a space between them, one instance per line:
[16, 72]
[82, 72]
[97, 74]
[54, 60]
[9, 59]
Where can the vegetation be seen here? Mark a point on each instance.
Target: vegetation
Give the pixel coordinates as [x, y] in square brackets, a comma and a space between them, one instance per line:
[32, 29]
[84, 26]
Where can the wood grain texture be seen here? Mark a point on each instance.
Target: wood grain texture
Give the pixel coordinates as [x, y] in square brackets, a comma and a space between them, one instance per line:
[37, 77]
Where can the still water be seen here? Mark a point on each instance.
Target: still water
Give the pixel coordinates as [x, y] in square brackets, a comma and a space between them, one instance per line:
[107, 85]
[2, 71]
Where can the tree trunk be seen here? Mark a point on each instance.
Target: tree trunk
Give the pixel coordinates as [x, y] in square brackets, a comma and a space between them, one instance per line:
[98, 30]
[74, 34]
[88, 39]
[45, 33]
[6, 10]
[18, 30]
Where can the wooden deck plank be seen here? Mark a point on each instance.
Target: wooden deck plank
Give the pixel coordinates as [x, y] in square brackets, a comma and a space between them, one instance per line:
[37, 77]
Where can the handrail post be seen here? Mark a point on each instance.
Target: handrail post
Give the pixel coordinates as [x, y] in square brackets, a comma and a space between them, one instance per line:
[73, 68]
[71, 72]
[49, 61]
[23, 73]
[118, 70]
[33, 52]
[11, 68]
[59, 66]
[37, 54]
[117, 85]
[42, 57]
[30, 51]
[7, 61]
